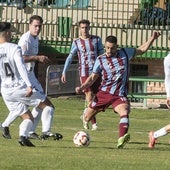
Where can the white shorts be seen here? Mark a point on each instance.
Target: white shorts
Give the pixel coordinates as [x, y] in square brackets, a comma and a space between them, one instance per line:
[15, 100]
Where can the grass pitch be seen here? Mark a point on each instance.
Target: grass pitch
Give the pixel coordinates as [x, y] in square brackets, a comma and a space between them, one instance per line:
[101, 154]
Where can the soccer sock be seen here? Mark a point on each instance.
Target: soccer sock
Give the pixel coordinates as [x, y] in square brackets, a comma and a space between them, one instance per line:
[123, 125]
[10, 118]
[46, 118]
[36, 112]
[25, 127]
[93, 120]
[160, 132]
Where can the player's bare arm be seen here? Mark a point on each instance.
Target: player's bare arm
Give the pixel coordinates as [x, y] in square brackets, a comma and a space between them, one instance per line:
[144, 47]
[90, 80]
[40, 58]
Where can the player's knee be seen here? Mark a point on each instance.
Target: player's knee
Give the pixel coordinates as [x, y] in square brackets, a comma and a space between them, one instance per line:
[50, 109]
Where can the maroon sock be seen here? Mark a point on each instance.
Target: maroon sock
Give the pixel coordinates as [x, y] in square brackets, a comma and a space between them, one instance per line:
[93, 120]
[123, 125]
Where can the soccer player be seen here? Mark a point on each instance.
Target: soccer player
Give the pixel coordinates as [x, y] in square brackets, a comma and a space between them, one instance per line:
[15, 84]
[166, 129]
[29, 44]
[88, 48]
[114, 68]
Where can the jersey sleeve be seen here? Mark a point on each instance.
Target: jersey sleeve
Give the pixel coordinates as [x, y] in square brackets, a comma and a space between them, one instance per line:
[23, 44]
[96, 67]
[70, 57]
[130, 52]
[21, 66]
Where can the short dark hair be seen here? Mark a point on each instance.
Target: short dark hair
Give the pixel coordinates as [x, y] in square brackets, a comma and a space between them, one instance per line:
[35, 17]
[4, 26]
[84, 21]
[111, 39]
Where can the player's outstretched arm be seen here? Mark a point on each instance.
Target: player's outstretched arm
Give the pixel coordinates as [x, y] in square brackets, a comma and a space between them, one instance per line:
[144, 47]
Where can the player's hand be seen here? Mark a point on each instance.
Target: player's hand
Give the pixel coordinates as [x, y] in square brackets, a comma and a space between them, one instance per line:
[29, 92]
[43, 59]
[63, 78]
[156, 34]
[168, 102]
[78, 90]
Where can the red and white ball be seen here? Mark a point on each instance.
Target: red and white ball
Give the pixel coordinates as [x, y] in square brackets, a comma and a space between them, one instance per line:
[81, 138]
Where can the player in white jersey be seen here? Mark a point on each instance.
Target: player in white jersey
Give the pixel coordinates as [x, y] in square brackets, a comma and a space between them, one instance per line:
[154, 135]
[29, 45]
[15, 84]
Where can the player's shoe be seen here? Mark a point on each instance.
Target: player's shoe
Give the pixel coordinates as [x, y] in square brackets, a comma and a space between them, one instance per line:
[94, 126]
[33, 136]
[152, 140]
[5, 132]
[23, 141]
[85, 124]
[55, 136]
[123, 140]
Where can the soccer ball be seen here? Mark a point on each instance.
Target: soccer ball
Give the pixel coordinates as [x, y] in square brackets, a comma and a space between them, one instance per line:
[81, 138]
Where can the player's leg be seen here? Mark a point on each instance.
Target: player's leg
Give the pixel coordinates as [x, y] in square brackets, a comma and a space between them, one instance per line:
[18, 108]
[47, 118]
[24, 129]
[122, 107]
[89, 114]
[5, 125]
[92, 93]
[159, 133]
[89, 97]
[36, 112]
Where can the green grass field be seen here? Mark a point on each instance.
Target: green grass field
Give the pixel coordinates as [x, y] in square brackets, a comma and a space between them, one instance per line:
[101, 154]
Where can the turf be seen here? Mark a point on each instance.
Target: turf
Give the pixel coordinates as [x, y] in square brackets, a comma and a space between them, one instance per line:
[101, 154]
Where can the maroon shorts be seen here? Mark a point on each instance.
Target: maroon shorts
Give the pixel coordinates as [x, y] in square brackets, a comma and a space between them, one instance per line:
[94, 87]
[103, 100]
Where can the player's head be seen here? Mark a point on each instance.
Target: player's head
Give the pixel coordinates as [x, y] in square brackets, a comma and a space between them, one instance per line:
[84, 21]
[84, 27]
[111, 45]
[35, 25]
[5, 31]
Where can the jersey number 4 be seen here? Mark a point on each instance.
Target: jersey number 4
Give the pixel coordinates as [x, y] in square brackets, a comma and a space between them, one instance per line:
[8, 70]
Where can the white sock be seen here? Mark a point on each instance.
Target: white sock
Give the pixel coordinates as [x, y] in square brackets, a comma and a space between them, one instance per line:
[10, 118]
[25, 127]
[46, 118]
[160, 132]
[36, 112]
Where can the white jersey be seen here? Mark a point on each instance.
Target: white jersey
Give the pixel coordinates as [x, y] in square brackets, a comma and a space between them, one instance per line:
[14, 80]
[29, 46]
[10, 60]
[167, 74]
